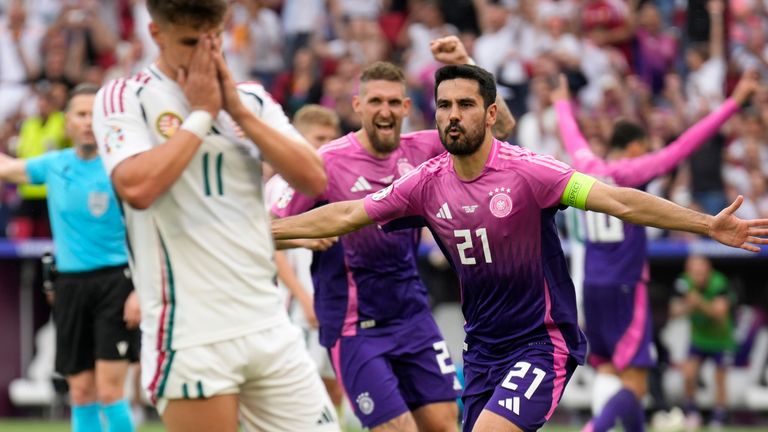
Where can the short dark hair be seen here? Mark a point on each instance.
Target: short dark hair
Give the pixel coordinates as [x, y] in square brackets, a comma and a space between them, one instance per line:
[384, 71]
[624, 132]
[484, 79]
[81, 89]
[191, 13]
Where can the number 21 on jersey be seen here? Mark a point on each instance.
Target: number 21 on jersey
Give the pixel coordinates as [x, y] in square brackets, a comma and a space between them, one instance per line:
[466, 234]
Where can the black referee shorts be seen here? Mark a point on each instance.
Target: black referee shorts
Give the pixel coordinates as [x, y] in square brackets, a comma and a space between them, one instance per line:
[88, 313]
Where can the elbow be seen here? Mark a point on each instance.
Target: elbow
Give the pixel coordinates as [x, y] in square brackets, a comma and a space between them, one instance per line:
[314, 182]
[139, 201]
[135, 196]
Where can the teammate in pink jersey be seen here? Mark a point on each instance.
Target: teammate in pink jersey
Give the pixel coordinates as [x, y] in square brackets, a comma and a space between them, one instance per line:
[616, 307]
[491, 207]
[387, 350]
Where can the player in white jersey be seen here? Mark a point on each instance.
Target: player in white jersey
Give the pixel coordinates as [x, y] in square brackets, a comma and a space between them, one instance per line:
[184, 145]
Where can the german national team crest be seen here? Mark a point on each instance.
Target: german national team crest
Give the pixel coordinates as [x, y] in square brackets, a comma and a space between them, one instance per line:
[168, 124]
[501, 203]
[114, 140]
[98, 203]
[365, 403]
[403, 166]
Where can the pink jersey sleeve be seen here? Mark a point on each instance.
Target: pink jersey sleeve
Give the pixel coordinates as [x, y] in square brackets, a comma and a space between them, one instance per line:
[396, 200]
[547, 177]
[428, 142]
[639, 171]
[292, 203]
[574, 142]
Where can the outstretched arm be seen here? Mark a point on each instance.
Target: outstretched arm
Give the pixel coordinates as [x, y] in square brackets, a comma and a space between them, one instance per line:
[583, 159]
[639, 171]
[641, 208]
[13, 170]
[327, 221]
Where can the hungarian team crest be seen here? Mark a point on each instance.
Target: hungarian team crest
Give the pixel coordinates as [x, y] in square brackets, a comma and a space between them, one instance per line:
[501, 203]
[168, 124]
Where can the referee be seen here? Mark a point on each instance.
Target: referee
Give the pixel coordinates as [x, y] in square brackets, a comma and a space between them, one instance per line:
[95, 308]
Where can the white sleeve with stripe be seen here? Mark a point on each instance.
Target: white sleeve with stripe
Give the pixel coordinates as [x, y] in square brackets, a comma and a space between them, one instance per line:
[261, 103]
[118, 125]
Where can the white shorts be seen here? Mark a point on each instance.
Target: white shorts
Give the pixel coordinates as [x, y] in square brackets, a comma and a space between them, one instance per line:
[277, 382]
[318, 353]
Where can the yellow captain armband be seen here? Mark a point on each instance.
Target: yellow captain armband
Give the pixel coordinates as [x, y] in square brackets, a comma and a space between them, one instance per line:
[577, 190]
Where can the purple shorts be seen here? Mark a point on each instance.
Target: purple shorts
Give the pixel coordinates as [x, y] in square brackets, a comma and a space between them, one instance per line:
[525, 389]
[720, 358]
[385, 376]
[618, 326]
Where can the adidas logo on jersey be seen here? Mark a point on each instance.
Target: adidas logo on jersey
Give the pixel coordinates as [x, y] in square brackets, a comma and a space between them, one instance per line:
[361, 184]
[326, 417]
[444, 212]
[512, 404]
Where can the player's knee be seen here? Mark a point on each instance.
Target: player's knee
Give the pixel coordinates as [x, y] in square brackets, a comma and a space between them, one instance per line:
[81, 394]
[401, 423]
[441, 417]
[108, 394]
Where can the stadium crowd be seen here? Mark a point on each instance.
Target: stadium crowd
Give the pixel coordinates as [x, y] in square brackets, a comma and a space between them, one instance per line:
[662, 64]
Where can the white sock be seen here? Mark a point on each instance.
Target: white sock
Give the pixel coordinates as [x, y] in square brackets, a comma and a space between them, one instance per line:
[604, 387]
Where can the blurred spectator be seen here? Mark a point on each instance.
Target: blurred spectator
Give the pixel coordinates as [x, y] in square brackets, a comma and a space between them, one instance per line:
[91, 39]
[706, 179]
[609, 22]
[301, 85]
[426, 24]
[39, 134]
[537, 129]
[264, 42]
[707, 299]
[706, 62]
[656, 48]
[20, 41]
[300, 19]
[505, 47]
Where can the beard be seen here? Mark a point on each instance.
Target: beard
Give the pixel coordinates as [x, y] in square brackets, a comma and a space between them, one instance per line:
[383, 144]
[463, 145]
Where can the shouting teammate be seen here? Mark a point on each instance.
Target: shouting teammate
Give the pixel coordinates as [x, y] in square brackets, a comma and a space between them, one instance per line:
[386, 348]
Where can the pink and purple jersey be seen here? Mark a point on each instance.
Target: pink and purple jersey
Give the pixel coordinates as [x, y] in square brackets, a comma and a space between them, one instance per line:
[499, 234]
[616, 250]
[368, 282]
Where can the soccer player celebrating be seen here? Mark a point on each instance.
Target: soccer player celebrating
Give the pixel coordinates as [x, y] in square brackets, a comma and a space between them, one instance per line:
[184, 147]
[616, 306]
[387, 350]
[392, 380]
[523, 341]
